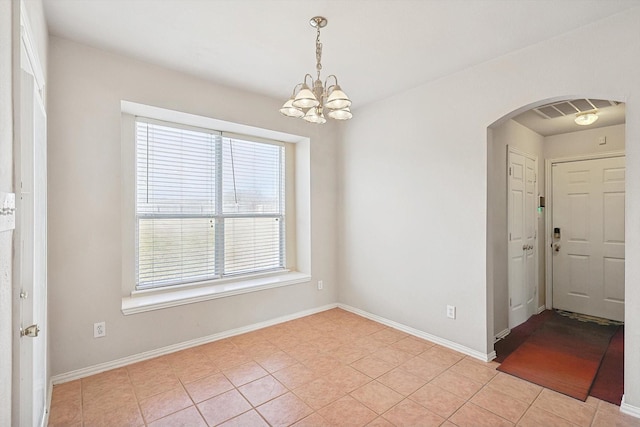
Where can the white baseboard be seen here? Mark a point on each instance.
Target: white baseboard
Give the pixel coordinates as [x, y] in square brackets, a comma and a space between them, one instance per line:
[502, 334]
[96, 369]
[420, 334]
[541, 309]
[625, 408]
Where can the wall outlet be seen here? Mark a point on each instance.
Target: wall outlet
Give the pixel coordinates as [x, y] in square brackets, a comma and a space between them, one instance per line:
[451, 311]
[320, 285]
[99, 329]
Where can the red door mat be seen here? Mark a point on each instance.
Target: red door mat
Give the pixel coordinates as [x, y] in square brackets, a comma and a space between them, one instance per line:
[563, 355]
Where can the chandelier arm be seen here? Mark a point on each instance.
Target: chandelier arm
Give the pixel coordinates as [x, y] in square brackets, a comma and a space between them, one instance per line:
[295, 89]
[305, 79]
[326, 82]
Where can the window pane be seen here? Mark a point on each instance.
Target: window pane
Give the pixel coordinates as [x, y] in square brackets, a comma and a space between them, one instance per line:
[175, 250]
[252, 245]
[252, 177]
[175, 170]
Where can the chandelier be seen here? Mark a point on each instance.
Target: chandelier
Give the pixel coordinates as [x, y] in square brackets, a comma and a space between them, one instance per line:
[309, 102]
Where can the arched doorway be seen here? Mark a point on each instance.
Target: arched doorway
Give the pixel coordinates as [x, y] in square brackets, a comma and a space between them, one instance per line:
[545, 131]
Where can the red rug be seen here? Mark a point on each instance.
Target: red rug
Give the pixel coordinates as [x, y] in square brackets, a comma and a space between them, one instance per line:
[519, 334]
[609, 382]
[562, 354]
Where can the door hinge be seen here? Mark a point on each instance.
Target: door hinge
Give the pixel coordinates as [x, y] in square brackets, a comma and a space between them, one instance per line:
[509, 236]
[509, 170]
[509, 302]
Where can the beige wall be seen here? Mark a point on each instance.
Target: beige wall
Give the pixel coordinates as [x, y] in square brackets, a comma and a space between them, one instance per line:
[86, 87]
[413, 229]
[584, 142]
[512, 134]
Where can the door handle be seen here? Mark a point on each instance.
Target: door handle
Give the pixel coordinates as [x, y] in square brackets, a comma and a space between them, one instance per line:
[556, 247]
[30, 331]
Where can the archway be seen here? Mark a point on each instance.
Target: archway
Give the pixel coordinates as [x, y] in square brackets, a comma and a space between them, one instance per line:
[512, 131]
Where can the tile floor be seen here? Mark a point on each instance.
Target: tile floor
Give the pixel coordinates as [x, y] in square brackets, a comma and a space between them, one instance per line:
[329, 369]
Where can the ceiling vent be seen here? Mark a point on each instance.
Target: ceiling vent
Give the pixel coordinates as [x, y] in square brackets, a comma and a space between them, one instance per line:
[569, 108]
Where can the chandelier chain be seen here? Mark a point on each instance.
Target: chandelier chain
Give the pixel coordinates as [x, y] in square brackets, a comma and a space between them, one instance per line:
[318, 52]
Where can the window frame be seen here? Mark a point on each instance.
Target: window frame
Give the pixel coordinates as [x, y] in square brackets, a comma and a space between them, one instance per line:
[297, 213]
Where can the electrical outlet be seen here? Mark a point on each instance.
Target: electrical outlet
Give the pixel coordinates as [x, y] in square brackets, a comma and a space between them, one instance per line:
[451, 311]
[320, 285]
[99, 329]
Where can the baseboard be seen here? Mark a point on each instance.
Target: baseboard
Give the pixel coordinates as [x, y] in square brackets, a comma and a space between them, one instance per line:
[500, 335]
[420, 334]
[625, 408]
[118, 363]
[541, 309]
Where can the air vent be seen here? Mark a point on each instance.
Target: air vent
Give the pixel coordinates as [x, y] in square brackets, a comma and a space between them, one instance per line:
[568, 108]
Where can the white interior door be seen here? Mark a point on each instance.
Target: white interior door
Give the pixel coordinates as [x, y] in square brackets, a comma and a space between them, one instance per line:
[588, 250]
[522, 248]
[31, 258]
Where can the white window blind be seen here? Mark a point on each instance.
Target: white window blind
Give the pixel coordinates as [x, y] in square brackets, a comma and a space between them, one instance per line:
[208, 206]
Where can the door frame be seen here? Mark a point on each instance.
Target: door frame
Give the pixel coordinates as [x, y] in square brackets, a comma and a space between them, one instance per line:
[548, 215]
[520, 152]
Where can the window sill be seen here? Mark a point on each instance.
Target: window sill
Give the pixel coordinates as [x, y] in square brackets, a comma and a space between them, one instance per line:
[159, 299]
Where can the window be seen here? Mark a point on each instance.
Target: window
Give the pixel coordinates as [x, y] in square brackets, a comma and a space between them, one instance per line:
[208, 205]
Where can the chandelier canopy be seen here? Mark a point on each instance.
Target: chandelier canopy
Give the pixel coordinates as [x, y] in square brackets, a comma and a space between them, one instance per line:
[309, 102]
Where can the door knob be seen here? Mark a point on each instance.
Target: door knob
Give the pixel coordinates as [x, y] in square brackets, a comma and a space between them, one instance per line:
[30, 331]
[556, 247]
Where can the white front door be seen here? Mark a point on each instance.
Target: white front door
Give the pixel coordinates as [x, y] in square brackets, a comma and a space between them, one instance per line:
[588, 242]
[31, 252]
[522, 248]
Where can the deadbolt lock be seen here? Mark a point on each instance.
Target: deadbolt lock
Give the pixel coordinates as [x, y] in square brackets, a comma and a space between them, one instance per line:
[30, 331]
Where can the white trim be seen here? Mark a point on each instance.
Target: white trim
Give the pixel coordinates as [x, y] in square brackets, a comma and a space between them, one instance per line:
[156, 299]
[420, 334]
[118, 363]
[625, 408]
[500, 335]
[541, 309]
[172, 116]
[47, 406]
[548, 214]
[26, 37]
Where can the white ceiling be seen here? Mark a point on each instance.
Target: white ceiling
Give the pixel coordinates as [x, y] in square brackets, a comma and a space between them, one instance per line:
[608, 116]
[375, 47]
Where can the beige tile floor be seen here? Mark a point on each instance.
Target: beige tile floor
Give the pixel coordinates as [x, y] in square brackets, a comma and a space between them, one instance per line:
[329, 369]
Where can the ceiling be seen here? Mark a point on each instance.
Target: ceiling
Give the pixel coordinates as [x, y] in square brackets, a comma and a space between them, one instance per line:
[376, 48]
[609, 113]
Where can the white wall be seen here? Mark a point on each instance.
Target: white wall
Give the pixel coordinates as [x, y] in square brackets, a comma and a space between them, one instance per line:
[414, 183]
[86, 87]
[584, 142]
[513, 134]
[6, 185]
